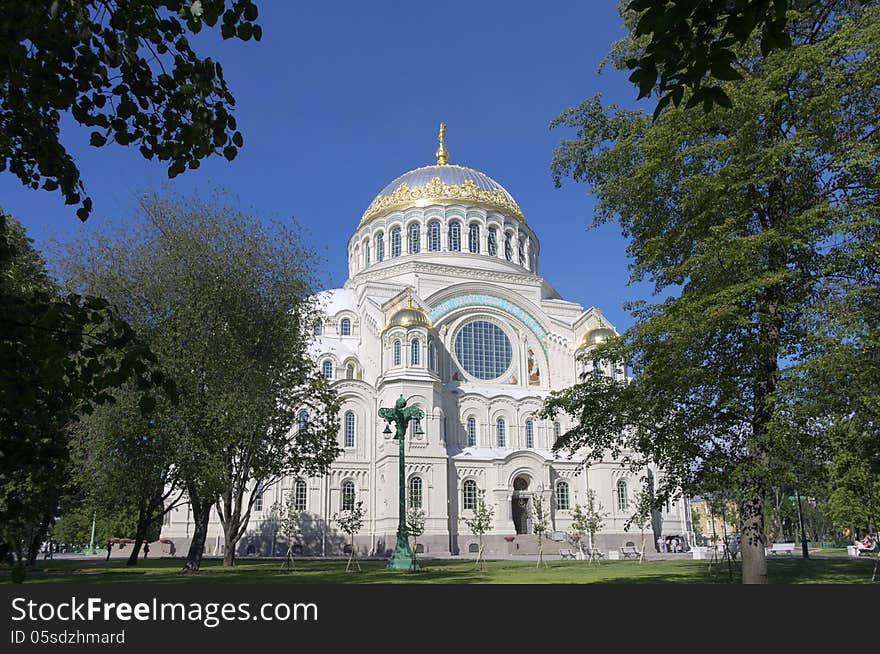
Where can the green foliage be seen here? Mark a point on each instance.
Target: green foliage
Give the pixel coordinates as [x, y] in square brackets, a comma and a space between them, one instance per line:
[590, 519]
[690, 45]
[747, 220]
[126, 70]
[74, 526]
[415, 521]
[481, 521]
[60, 356]
[351, 521]
[539, 516]
[226, 301]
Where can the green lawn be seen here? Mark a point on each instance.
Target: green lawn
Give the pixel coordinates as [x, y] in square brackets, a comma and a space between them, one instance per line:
[792, 570]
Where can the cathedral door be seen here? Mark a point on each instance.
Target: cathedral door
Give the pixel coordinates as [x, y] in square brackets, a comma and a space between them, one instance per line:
[521, 514]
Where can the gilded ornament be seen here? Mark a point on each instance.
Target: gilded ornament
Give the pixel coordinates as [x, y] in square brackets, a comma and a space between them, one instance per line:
[435, 191]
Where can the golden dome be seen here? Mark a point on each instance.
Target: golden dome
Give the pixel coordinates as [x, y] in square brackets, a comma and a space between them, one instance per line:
[409, 317]
[596, 336]
[442, 183]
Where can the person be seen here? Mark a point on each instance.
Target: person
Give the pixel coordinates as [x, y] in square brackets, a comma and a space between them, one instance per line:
[109, 548]
[146, 549]
[866, 544]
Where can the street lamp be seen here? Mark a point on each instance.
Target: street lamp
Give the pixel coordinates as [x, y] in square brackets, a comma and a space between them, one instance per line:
[400, 415]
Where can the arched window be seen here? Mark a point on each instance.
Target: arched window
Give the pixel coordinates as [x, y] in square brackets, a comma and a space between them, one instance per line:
[302, 420]
[299, 495]
[380, 247]
[395, 242]
[345, 327]
[415, 492]
[499, 431]
[347, 495]
[414, 352]
[469, 494]
[258, 500]
[508, 248]
[454, 237]
[349, 371]
[474, 238]
[493, 241]
[622, 499]
[432, 355]
[434, 236]
[471, 432]
[367, 252]
[530, 433]
[521, 253]
[396, 350]
[415, 426]
[563, 501]
[415, 235]
[318, 328]
[349, 429]
[327, 369]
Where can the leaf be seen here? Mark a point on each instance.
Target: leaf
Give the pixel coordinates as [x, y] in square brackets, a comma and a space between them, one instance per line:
[97, 139]
[147, 404]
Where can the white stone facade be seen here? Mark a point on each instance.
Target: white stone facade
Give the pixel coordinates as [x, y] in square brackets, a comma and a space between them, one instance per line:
[392, 330]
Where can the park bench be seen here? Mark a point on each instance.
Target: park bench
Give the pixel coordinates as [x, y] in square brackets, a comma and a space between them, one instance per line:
[566, 554]
[782, 548]
[594, 553]
[630, 552]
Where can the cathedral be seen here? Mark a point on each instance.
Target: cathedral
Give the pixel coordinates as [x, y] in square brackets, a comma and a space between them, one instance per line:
[445, 306]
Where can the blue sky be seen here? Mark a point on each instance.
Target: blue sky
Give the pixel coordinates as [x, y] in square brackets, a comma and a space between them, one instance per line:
[339, 98]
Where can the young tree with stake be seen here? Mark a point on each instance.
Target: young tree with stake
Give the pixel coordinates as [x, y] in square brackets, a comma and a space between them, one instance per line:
[479, 524]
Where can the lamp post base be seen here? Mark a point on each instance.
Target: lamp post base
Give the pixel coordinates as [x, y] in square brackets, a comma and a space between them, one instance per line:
[402, 558]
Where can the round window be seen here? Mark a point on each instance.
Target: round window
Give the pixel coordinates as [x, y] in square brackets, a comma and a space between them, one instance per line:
[483, 349]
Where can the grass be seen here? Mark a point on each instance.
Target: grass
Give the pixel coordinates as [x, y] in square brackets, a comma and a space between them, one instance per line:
[791, 570]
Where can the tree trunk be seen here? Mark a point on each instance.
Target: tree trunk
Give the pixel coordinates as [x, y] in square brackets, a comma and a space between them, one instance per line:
[201, 515]
[37, 539]
[138, 541]
[229, 544]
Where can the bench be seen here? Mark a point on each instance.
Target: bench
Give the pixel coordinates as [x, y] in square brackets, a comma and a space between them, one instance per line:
[782, 548]
[566, 554]
[630, 552]
[593, 554]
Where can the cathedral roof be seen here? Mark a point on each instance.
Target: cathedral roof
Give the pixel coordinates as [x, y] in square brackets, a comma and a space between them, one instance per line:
[442, 182]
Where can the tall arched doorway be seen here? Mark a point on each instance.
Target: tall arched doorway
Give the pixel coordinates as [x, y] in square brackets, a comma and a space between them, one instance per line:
[520, 509]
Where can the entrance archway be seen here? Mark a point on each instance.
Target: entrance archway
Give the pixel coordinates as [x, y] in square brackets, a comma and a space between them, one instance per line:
[520, 500]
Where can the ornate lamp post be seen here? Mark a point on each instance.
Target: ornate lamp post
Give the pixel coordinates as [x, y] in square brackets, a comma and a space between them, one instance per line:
[400, 415]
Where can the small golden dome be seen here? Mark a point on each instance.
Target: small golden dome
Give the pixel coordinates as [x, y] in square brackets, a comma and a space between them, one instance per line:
[409, 317]
[596, 336]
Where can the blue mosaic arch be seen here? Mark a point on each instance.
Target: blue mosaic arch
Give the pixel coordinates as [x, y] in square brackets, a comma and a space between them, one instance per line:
[477, 299]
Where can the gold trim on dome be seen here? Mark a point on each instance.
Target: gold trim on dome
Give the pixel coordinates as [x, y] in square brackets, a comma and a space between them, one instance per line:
[436, 191]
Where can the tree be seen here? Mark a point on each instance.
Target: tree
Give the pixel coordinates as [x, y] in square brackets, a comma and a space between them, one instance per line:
[589, 520]
[122, 462]
[288, 519]
[415, 525]
[351, 521]
[742, 218]
[479, 524]
[125, 69]
[641, 516]
[540, 522]
[61, 355]
[690, 45]
[226, 301]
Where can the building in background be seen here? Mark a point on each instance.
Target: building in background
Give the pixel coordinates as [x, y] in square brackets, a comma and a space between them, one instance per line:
[445, 305]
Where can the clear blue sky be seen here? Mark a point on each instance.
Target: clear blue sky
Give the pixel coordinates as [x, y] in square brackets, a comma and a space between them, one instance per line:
[339, 98]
